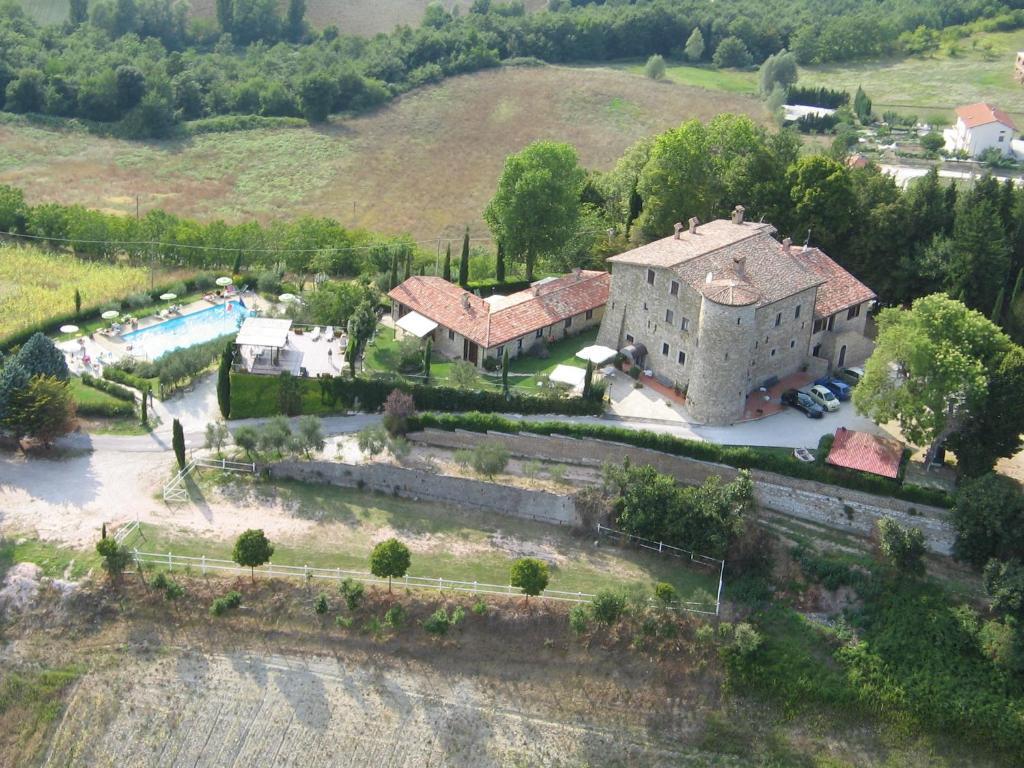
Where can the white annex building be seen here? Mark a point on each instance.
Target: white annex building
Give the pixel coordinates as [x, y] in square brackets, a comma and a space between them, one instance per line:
[979, 127]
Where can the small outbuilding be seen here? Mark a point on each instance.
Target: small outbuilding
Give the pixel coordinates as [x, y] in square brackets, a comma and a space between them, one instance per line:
[865, 452]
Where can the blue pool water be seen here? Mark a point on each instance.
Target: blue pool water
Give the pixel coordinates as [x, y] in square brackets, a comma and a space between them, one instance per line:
[186, 331]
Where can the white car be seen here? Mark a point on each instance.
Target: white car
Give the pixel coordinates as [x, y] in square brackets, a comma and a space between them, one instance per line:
[823, 396]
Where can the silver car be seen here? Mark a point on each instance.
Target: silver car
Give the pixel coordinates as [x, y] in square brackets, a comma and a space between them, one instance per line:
[824, 397]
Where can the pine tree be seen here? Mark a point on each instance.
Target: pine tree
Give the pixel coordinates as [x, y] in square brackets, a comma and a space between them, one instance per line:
[448, 263]
[499, 264]
[464, 261]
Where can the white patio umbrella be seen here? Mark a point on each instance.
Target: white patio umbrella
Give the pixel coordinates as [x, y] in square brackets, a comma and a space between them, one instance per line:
[287, 297]
[110, 314]
[69, 329]
[224, 281]
[168, 296]
[596, 354]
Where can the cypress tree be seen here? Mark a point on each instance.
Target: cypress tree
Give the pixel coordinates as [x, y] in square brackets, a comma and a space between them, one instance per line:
[394, 271]
[78, 302]
[1017, 286]
[426, 360]
[224, 381]
[588, 380]
[499, 264]
[997, 309]
[464, 261]
[408, 265]
[178, 443]
[144, 412]
[504, 371]
[237, 266]
[448, 263]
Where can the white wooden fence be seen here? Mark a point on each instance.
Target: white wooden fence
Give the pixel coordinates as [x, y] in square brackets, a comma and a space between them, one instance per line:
[206, 565]
[175, 489]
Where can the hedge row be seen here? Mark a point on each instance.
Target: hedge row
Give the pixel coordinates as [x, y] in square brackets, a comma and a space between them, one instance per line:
[123, 377]
[253, 396]
[741, 457]
[115, 390]
[106, 409]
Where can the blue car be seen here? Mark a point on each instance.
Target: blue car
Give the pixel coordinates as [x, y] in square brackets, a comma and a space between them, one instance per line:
[838, 388]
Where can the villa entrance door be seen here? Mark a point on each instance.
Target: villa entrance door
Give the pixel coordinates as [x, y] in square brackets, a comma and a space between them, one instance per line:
[469, 351]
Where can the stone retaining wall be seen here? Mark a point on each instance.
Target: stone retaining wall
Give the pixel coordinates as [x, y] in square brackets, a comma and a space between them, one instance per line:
[840, 508]
[416, 484]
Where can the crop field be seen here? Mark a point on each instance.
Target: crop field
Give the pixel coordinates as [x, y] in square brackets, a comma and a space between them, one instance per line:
[35, 286]
[427, 164]
[931, 87]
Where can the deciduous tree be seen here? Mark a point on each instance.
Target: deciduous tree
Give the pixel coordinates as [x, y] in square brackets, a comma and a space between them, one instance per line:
[252, 549]
[529, 575]
[390, 559]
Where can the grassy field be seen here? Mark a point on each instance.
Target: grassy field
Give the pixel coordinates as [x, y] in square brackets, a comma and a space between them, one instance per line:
[731, 80]
[35, 286]
[931, 87]
[426, 164]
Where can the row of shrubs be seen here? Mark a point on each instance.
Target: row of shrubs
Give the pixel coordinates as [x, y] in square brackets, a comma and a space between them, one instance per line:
[181, 365]
[741, 457]
[370, 393]
[108, 409]
[112, 389]
[124, 377]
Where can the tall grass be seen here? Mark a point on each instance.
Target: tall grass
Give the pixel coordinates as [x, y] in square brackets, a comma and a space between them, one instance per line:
[36, 286]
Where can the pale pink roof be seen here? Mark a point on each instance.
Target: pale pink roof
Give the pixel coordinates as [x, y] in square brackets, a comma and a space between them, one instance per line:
[866, 453]
[982, 113]
[525, 312]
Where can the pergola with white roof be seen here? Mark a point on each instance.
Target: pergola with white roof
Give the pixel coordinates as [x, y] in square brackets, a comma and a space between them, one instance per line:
[416, 324]
[265, 334]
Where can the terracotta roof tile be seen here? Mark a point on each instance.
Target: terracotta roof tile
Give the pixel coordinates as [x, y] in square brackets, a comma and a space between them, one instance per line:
[866, 453]
[981, 113]
[523, 313]
[839, 289]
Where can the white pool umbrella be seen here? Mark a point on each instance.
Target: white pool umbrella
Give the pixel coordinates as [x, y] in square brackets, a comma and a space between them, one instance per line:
[168, 296]
[69, 329]
[110, 314]
[224, 281]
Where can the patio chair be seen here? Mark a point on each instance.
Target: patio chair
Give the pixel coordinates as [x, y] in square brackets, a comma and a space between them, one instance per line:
[315, 335]
[329, 333]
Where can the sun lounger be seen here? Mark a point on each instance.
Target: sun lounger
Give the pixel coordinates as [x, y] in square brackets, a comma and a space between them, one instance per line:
[329, 333]
[315, 335]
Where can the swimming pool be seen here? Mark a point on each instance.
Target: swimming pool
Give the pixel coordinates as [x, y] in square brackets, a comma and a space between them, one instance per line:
[186, 331]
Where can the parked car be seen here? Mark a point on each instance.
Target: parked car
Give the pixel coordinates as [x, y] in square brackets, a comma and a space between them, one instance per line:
[839, 388]
[802, 402]
[851, 376]
[824, 397]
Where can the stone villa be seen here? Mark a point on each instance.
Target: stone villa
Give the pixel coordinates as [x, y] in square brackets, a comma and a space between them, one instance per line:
[722, 308]
[467, 327]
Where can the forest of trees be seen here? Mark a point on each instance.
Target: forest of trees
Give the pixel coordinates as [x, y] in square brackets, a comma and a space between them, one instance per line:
[146, 66]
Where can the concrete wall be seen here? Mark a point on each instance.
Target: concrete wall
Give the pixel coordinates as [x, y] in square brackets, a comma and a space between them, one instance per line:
[851, 511]
[416, 484]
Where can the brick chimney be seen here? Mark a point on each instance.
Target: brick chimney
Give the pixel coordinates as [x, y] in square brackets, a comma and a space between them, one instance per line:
[740, 265]
[578, 273]
[465, 301]
[737, 214]
[694, 221]
[786, 245]
[678, 226]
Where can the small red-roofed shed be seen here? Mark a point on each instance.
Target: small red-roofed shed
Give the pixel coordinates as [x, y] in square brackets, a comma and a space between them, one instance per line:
[866, 453]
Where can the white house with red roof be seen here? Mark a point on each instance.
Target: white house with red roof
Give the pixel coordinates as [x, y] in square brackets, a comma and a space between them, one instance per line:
[464, 326]
[722, 308]
[979, 127]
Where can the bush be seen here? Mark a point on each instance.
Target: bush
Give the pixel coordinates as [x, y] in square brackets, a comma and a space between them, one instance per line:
[655, 67]
[345, 622]
[489, 458]
[742, 457]
[269, 282]
[579, 619]
[173, 591]
[989, 520]
[395, 616]
[608, 606]
[352, 591]
[112, 389]
[106, 410]
[115, 556]
[480, 608]
[665, 592]
[138, 300]
[159, 581]
[113, 373]
[438, 622]
[222, 605]
[901, 546]
[320, 605]
[398, 410]
[491, 364]
[746, 639]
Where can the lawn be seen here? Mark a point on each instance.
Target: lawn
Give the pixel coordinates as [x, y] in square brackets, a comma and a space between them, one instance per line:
[729, 80]
[932, 87]
[117, 425]
[408, 167]
[445, 540]
[36, 286]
